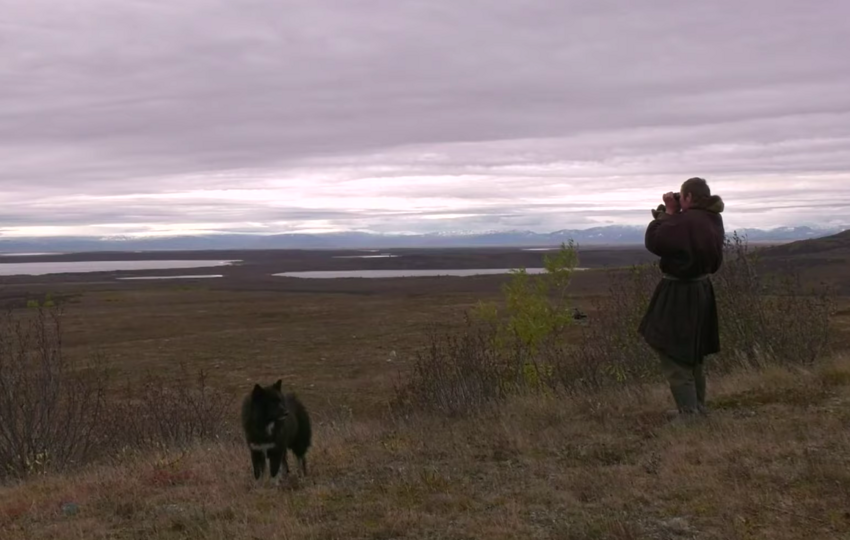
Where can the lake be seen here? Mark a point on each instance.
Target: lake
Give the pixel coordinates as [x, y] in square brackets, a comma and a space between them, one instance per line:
[42, 268]
[336, 274]
[380, 256]
[33, 254]
[197, 276]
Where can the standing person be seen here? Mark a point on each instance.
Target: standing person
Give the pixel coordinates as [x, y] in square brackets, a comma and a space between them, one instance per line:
[681, 322]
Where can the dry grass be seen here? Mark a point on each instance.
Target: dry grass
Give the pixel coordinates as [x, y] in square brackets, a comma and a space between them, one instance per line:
[772, 462]
[238, 337]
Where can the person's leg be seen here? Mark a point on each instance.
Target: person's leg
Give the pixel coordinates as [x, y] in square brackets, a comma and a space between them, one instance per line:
[683, 387]
[699, 382]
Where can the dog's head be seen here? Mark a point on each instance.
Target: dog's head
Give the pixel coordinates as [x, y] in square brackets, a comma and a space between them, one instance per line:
[270, 401]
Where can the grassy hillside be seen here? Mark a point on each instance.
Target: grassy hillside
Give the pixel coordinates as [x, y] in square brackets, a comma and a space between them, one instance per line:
[834, 245]
[772, 462]
[819, 261]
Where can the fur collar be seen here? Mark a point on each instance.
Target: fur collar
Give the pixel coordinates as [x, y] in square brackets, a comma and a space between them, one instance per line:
[713, 204]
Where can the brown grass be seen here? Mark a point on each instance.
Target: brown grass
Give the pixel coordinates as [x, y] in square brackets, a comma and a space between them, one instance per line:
[772, 462]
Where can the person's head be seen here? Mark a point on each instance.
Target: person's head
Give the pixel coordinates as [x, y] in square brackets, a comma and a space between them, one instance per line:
[694, 192]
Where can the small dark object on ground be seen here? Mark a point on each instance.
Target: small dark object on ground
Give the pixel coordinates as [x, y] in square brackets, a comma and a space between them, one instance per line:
[579, 314]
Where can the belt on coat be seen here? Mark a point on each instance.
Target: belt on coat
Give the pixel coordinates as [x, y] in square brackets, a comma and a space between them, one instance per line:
[674, 278]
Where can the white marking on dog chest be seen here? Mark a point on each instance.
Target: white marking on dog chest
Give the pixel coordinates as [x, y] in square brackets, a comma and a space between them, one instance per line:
[265, 447]
[270, 428]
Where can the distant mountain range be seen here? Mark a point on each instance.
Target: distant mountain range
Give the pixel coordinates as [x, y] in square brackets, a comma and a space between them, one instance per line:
[614, 235]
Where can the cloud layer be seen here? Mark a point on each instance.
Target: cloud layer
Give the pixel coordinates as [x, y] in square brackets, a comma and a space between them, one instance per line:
[402, 115]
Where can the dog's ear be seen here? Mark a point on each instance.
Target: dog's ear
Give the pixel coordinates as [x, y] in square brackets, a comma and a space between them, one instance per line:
[278, 384]
[257, 392]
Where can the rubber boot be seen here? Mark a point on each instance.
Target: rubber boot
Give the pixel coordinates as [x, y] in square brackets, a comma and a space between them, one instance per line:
[682, 386]
[685, 396]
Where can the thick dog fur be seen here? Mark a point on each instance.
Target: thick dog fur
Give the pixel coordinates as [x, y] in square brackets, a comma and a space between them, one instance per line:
[274, 422]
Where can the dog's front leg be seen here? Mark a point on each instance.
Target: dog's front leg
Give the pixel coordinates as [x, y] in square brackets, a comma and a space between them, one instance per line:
[275, 458]
[258, 460]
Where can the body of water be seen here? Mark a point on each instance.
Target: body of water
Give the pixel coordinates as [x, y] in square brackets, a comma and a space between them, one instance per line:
[379, 256]
[199, 276]
[34, 254]
[43, 268]
[336, 274]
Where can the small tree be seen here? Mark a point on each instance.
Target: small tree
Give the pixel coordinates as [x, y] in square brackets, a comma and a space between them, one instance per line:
[496, 352]
[536, 306]
[537, 309]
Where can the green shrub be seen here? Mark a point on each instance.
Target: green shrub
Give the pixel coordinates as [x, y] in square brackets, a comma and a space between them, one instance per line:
[496, 352]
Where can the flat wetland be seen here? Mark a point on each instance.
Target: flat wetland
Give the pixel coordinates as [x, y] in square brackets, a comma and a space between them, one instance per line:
[771, 463]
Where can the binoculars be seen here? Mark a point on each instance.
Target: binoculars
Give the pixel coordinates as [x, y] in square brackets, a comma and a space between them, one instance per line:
[661, 208]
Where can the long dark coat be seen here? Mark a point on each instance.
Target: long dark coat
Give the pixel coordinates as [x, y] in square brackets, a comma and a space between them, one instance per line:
[682, 320]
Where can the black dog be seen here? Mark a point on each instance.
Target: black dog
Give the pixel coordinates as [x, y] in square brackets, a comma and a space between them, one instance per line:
[274, 422]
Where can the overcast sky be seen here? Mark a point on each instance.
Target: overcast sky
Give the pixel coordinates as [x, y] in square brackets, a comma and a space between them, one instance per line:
[157, 116]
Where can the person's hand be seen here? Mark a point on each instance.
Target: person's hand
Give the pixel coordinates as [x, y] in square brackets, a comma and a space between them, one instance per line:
[670, 202]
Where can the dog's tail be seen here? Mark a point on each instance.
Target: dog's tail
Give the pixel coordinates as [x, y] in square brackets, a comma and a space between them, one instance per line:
[304, 437]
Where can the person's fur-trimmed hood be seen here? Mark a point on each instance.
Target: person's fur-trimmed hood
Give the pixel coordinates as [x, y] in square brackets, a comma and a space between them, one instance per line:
[713, 204]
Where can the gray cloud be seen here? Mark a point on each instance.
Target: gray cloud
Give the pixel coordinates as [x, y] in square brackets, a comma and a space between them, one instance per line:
[413, 115]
